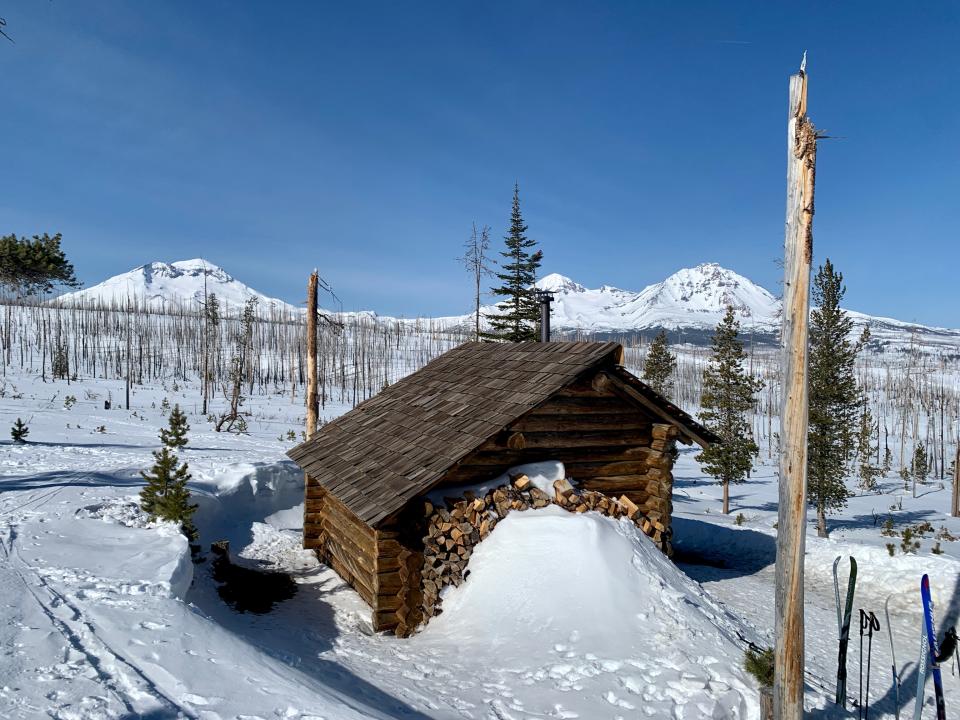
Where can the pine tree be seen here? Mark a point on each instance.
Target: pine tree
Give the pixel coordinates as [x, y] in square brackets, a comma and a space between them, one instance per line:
[728, 395]
[920, 463]
[175, 436]
[834, 397]
[867, 450]
[30, 266]
[659, 366]
[520, 308]
[19, 431]
[166, 495]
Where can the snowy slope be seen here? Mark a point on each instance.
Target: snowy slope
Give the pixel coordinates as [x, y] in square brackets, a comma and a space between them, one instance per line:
[157, 283]
[690, 302]
[690, 298]
[693, 300]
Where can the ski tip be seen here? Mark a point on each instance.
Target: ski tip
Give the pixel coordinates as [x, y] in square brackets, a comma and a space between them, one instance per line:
[853, 563]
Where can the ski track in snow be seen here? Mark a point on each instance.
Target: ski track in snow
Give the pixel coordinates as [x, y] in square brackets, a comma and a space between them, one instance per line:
[98, 621]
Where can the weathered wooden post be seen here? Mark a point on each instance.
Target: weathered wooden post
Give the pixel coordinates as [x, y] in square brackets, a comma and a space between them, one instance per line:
[312, 405]
[792, 511]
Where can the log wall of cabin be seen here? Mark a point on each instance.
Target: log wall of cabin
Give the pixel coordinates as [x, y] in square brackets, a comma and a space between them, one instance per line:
[342, 541]
[605, 442]
[382, 565]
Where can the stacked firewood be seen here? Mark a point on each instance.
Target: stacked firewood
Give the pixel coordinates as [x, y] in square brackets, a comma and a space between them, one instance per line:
[453, 531]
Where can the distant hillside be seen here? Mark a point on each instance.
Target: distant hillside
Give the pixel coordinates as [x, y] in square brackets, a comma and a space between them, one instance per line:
[688, 305]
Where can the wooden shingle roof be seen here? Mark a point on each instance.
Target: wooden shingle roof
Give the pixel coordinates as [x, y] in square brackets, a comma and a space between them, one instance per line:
[398, 444]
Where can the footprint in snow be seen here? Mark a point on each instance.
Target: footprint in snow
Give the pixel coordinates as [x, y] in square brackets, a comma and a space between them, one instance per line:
[149, 625]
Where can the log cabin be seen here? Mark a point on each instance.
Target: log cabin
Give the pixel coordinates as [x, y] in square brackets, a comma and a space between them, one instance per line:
[467, 417]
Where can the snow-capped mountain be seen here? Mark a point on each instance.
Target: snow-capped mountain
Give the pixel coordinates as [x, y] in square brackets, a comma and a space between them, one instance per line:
[157, 283]
[692, 298]
[690, 303]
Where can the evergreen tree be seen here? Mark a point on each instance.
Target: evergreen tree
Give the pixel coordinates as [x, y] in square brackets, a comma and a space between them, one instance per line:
[834, 397]
[175, 436]
[30, 266]
[19, 431]
[520, 308]
[166, 495]
[659, 366]
[867, 450]
[920, 463]
[728, 395]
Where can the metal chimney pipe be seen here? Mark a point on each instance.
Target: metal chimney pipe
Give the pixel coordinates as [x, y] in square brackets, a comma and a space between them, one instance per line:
[545, 297]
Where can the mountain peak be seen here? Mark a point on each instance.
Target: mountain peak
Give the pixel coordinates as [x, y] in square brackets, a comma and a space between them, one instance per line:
[185, 281]
[555, 282]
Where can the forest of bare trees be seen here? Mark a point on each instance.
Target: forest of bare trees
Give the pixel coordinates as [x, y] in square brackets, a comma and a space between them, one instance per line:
[913, 395]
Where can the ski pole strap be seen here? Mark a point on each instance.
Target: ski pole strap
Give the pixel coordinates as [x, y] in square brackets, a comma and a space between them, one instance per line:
[948, 646]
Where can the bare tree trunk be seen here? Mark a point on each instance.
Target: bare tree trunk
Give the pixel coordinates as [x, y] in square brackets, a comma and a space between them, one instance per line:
[312, 409]
[205, 380]
[791, 533]
[955, 499]
[726, 497]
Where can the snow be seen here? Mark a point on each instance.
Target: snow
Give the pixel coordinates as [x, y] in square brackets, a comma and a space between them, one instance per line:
[561, 616]
[690, 300]
[541, 474]
[586, 600]
[158, 283]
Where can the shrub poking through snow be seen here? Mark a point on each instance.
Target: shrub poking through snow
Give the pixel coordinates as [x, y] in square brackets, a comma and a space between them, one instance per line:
[165, 495]
[759, 663]
[19, 431]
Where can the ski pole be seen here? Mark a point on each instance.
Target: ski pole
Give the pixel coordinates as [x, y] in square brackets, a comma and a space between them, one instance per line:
[864, 624]
[893, 658]
[874, 626]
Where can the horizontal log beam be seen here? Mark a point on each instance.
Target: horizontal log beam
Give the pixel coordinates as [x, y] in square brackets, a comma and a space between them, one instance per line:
[580, 439]
[559, 405]
[574, 423]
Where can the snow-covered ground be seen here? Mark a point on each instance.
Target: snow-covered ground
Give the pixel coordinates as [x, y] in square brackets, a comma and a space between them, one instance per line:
[563, 616]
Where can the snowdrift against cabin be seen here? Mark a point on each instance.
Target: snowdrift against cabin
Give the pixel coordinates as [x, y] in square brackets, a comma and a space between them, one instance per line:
[548, 584]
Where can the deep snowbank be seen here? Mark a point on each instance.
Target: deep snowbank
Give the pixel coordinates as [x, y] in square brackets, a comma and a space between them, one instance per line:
[582, 595]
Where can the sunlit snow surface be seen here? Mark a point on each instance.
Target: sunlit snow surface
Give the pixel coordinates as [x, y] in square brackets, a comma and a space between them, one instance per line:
[562, 616]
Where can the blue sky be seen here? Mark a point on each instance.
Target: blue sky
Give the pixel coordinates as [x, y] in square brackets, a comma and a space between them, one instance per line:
[365, 138]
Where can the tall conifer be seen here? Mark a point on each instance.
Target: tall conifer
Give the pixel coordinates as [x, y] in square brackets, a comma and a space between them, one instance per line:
[728, 395]
[519, 308]
[834, 397]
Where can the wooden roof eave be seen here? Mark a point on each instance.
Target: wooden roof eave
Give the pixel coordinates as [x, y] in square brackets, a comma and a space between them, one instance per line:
[688, 432]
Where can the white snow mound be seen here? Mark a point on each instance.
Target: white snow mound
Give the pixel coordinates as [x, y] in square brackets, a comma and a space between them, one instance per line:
[583, 594]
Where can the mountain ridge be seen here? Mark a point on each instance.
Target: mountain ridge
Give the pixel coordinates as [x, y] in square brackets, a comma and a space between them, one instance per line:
[690, 302]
